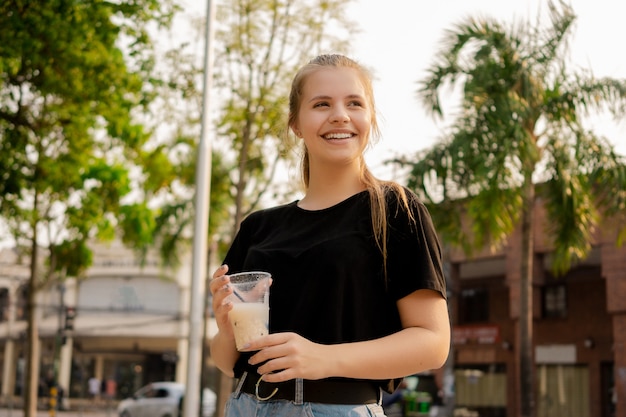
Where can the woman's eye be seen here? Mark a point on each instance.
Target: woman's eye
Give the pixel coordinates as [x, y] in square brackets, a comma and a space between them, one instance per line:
[355, 103]
[321, 104]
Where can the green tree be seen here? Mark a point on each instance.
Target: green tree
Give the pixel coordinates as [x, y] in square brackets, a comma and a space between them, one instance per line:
[170, 163]
[260, 45]
[520, 124]
[73, 78]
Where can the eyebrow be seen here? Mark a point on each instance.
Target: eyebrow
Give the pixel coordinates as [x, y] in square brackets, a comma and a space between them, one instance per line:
[324, 97]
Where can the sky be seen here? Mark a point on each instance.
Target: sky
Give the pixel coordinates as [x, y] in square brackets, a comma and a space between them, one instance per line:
[400, 38]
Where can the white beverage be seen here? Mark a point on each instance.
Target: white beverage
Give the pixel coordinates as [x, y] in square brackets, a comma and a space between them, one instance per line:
[249, 321]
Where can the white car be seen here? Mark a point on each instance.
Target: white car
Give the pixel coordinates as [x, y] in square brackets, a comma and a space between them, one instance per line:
[163, 399]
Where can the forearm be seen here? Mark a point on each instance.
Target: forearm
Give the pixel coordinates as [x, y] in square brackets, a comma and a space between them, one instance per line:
[409, 351]
[422, 344]
[224, 353]
[285, 356]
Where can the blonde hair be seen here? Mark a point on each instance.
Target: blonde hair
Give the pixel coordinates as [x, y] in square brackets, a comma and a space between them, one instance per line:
[376, 188]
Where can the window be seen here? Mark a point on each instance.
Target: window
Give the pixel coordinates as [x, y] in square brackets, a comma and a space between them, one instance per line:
[481, 388]
[563, 391]
[21, 311]
[4, 304]
[555, 301]
[473, 306]
[162, 393]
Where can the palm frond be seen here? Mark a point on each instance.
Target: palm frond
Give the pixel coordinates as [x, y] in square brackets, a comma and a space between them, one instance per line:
[570, 206]
[551, 42]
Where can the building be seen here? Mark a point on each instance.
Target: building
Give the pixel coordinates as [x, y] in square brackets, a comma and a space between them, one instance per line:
[579, 330]
[124, 322]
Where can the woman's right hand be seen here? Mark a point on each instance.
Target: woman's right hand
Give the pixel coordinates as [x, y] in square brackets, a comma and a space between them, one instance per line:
[223, 350]
[220, 290]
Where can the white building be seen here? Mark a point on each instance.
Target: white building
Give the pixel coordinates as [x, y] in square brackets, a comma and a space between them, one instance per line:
[131, 323]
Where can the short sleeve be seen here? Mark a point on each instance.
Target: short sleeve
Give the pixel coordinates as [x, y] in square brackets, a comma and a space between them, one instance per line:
[414, 259]
[236, 255]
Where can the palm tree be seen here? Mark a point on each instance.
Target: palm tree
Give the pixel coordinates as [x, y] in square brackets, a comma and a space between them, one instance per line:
[520, 123]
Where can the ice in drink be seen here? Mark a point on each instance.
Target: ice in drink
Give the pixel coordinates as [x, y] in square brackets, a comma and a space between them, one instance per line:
[249, 316]
[249, 321]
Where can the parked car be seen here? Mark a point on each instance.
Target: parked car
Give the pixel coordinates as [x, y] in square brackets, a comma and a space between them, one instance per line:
[163, 399]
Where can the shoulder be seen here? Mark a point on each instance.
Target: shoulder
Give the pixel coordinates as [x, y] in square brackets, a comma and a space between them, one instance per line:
[407, 215]
[402, 200]
[269, 214]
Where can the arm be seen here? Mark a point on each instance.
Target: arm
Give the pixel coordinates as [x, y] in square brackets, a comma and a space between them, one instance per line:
[421, 345]
[223, 350]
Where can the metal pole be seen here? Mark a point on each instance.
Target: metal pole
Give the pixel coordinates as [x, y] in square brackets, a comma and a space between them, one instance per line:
[191, 405]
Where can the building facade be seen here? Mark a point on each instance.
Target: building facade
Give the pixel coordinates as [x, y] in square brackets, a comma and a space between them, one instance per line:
[579, 330]
[125, 322]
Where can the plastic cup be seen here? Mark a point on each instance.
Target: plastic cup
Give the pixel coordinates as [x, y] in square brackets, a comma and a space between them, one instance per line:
[251, 310]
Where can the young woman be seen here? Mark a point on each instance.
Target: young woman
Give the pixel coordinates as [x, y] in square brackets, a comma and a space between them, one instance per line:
[358, 294]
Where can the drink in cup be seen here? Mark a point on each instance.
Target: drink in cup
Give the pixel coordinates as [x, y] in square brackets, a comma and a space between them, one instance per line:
[250, 314]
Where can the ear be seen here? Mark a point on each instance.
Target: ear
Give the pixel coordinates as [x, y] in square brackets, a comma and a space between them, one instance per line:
[296, 131]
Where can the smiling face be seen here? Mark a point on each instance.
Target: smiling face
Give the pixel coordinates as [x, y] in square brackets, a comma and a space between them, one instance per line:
[334, 116]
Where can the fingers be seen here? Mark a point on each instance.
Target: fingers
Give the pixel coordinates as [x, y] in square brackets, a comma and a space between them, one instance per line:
[220, 289]
[273, 351]
[280, 370]
[220, 271]
[263, 343]
[282, 375]
[219, 281]
[284, 356]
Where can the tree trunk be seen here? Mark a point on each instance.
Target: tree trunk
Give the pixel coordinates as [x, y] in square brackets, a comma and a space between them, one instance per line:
[526, 357]
[32, 346]
[242, 181]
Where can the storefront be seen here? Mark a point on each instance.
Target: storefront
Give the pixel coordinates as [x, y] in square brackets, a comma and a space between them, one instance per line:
[574, 340]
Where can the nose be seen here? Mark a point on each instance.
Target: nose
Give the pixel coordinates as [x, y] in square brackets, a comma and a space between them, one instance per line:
[339, 115]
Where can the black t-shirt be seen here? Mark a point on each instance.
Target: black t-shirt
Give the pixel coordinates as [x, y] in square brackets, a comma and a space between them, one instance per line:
[328, 283]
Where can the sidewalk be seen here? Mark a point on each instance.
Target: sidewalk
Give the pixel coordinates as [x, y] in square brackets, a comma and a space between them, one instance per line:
[5, 412]
[78, 408]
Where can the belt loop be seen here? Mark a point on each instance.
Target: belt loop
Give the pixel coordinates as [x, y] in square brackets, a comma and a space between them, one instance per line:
[299, 394]
[237, 391]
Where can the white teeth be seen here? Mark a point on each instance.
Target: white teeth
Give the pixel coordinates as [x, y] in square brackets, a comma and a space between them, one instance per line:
[338, 136]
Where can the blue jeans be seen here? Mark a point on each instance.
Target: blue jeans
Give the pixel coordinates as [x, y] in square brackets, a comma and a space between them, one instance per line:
[241, 404]
[246, 405]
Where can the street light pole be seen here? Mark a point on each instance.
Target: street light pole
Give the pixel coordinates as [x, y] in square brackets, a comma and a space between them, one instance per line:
[191, 404]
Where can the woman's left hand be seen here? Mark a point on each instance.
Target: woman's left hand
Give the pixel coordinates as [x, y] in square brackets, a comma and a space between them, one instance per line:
[288, 356]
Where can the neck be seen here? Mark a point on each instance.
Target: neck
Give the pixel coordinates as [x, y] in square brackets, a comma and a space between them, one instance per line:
[328, 187]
